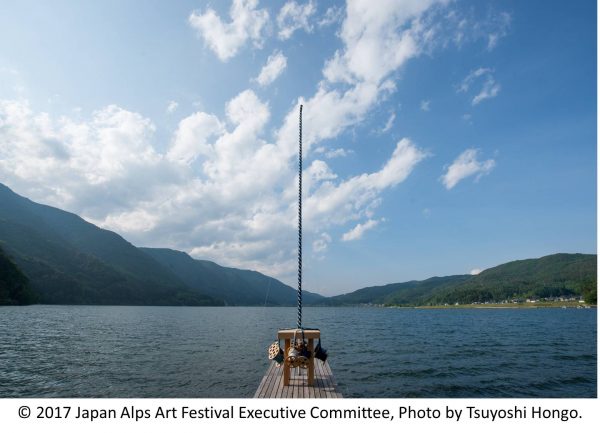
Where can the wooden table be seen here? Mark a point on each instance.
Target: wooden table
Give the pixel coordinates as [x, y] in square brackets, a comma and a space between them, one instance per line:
[310, 335]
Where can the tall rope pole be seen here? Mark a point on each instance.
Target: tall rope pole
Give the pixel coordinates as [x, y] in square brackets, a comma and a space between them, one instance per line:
[299, 324]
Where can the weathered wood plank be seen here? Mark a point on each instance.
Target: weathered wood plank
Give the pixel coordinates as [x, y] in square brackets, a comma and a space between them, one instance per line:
[278, 386]
[272, 384]
[262, 382]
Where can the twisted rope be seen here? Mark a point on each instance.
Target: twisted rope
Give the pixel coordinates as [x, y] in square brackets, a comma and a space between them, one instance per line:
[299, 324]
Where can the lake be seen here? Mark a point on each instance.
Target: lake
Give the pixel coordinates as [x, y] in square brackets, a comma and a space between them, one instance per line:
[93, 351]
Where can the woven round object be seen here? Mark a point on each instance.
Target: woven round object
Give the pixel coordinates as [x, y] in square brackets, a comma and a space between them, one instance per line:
[273, 350]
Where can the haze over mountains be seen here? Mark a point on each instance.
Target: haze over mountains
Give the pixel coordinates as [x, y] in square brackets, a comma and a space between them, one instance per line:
[70, 261]
[55, 257]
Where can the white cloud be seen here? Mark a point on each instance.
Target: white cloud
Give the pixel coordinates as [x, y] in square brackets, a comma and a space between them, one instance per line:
[276, 63]
[192, 137]
[470, 78]
[464, 166]
[352, 199]
[377, 40]
[359, 230]
[294, 16]
[98, 164]
[172, 107]
[219, 191]
[389, 123]
[223, 190]
[475, 271]
[332, 15]
[490, 88]
[498, 28]
[425, 105]
[225, 39]
[333, 153]
[463, 27]
[321, 244]
[336, 153]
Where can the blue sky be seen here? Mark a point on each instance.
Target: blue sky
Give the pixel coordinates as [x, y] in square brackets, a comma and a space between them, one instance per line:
[441, 137]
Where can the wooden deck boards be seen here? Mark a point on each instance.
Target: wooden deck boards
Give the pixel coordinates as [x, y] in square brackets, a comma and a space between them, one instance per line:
[271, 385]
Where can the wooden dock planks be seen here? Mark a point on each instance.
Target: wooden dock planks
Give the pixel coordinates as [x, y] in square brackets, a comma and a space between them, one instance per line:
[271, 385]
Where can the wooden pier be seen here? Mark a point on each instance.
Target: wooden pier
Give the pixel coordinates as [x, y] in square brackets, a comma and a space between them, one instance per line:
[324, 385]
[316, 381]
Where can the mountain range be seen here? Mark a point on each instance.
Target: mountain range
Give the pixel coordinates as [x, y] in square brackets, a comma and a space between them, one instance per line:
[556, 275]
[68, 260]
[51, 256]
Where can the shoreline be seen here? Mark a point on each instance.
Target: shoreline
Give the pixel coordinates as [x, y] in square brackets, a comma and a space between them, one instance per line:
[536, 305]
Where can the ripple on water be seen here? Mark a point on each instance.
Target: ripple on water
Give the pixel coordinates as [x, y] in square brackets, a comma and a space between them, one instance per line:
[60, 351]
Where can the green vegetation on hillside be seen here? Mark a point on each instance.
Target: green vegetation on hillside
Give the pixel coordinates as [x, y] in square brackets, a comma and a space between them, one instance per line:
[14, 285]
[70, 261]
[408, 293]
[58, 258]
[554, 276]
[234, 286]
[557, 275]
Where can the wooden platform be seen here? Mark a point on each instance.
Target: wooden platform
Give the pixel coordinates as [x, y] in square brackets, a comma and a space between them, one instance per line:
[271, 385]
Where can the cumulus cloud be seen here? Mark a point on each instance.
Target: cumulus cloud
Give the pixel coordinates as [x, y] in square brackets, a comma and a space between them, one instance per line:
[276, 64]
[219, 191]
[225, 186]
[94, 164]
[378, 38]
[359, 230]
[294, 16]
[489, 88]
[466, 165]
[192, 136]
[351, 199]
[226, 38]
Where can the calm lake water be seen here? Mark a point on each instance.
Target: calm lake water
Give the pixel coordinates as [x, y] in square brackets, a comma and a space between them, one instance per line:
[89, 351]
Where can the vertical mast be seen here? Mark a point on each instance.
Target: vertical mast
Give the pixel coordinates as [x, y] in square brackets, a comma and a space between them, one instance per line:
[299, 324]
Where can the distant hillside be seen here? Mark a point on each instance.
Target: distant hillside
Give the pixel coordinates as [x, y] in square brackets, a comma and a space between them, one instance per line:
[408, 293]
[70, 261]
[55, 257]
[14, 285]
[549, 276]
[234, 286]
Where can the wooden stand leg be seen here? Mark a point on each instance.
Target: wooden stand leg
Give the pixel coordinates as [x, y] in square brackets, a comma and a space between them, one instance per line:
[286, 369]
[311, 363]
